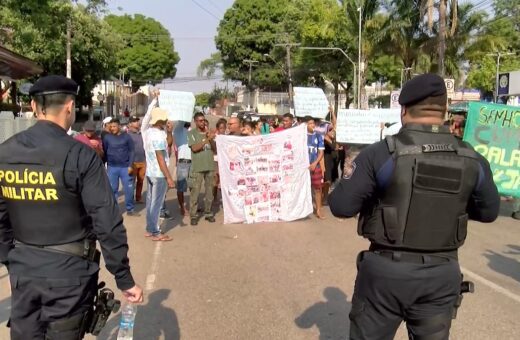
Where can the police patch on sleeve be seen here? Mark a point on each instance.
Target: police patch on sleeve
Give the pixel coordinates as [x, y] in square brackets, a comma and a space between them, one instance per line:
[349, 169]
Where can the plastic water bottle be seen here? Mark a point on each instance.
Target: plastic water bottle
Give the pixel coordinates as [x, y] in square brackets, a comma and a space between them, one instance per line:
[126, 325]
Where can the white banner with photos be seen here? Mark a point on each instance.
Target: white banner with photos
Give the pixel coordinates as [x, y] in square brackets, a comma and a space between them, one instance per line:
[366, 126]
[265, 178]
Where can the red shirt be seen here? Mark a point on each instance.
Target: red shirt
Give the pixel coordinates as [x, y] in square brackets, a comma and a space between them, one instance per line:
[94, 142]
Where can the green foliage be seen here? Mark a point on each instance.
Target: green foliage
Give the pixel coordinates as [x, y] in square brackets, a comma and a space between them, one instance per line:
[385, 68]
[37, 29]
[209, 66]
[148, 53]
[202, 99]
[498, 34]
[206, 99]
[249, 30]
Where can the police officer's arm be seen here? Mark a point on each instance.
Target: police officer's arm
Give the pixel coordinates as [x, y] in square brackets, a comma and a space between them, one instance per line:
[347, 198]
[107, 222]
[6, 232]
[484, 204]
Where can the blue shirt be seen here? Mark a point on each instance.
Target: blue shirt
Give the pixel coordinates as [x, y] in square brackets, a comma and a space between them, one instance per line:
[314, 143]
[119, 150]
[139, 155]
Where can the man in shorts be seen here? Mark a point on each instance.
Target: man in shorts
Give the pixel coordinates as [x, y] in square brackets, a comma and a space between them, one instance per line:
[316, 147]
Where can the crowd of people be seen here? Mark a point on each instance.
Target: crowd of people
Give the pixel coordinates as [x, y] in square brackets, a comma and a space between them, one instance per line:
[141, 151]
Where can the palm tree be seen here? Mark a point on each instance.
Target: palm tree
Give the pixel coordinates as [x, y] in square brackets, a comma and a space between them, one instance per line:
[403, 34]
[427, 7]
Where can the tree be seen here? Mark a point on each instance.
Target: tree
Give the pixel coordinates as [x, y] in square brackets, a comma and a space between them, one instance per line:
[323, 23]
[37, 29]
[148, 53]
[202, 99]
[444, 32]
[403, 34]
[249, 30]
[209, 66]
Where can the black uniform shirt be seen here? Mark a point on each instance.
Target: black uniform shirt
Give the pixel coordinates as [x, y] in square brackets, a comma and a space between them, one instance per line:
[373, 169]
[99, 203]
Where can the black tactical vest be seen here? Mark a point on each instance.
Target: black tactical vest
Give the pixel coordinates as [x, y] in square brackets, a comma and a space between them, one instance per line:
[424, 205]
[42, 209]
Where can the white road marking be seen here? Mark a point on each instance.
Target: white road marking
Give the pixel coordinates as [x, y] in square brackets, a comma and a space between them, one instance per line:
[490, 284]
[150, 278]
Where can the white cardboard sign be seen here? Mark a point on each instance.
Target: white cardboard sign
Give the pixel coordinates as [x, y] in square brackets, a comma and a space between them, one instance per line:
[364, 126]
[179, 105]
[310, 101]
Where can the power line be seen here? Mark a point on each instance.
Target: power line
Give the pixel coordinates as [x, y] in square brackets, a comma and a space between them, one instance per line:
[205, 9]
[215, 6]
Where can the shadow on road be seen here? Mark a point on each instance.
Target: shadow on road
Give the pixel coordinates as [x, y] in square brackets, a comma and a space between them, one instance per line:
[153, 320]
[330, 316]
[504, 264]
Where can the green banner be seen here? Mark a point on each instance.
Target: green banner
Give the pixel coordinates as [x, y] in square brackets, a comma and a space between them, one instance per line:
[494, 132]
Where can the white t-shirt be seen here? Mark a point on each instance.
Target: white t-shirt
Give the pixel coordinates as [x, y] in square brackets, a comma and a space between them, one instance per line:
[155, 140]
[181, 140]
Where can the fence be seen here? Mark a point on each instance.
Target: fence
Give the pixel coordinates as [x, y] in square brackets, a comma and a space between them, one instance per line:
[10, 126]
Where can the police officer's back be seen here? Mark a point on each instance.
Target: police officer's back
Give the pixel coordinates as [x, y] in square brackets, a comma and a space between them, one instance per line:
[55, 202]
[415, 192]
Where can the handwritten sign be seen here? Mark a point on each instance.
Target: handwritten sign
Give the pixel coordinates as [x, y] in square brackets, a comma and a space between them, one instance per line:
[309, 101]
[179, 105]
[364, 126]
[494, 132]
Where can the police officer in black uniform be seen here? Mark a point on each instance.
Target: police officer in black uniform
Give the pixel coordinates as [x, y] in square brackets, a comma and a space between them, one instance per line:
[415, 192]
[55, 202]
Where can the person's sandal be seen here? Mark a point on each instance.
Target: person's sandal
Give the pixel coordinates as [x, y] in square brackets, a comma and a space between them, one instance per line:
[162, 237]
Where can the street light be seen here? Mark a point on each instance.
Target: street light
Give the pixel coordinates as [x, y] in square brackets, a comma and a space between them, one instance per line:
[356, 93]
[498, 54]
[276, 62]
[359, 58]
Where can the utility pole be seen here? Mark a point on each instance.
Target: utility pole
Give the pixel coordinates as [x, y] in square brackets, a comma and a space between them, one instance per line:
[360, 10]
[251, 63]
[498, 54]
[288, 47]
[69, 61]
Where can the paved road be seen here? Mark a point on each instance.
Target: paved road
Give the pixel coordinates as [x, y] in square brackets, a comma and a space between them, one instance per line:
[290, 281]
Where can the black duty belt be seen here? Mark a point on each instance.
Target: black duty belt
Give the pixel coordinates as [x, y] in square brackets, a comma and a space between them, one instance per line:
[399, 256]
[85, 249]
[187, 161]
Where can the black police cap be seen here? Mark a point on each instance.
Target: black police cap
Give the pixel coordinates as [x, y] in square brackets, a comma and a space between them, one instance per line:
[54, 84]
[422, 87]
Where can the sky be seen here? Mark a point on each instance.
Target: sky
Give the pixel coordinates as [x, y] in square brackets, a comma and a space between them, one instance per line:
[193, 30]
[193, 26]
